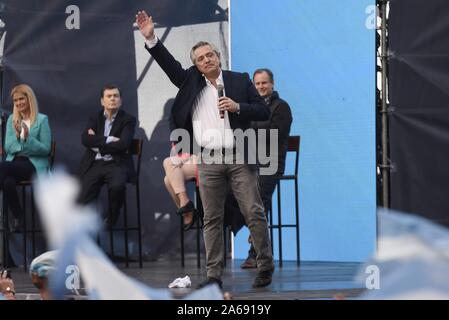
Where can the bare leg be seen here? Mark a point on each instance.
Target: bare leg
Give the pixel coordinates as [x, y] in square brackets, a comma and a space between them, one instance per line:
[171, 191]
[175, 184]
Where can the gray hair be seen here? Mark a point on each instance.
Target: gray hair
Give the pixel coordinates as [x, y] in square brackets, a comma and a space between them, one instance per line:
[202, 44]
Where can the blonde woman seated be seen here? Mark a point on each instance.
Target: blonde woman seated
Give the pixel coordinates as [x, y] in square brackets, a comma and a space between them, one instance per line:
[179, 169]
[27, 147]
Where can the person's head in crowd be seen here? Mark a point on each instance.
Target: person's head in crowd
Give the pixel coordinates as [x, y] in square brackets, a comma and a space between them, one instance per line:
[25, 103]
[40, 269]
[111, 99]
[206, 57]
[264, 82]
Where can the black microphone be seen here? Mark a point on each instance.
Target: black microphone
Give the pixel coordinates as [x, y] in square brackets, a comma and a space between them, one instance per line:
[220, 90]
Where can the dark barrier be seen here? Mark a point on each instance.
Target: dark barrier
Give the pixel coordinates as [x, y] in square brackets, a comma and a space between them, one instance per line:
[419, 105]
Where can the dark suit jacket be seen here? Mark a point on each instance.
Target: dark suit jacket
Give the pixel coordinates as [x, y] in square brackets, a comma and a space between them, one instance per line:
[190, 82]
[281, 120]
[123, 127]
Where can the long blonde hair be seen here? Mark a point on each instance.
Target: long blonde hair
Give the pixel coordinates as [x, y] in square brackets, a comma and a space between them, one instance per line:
[32, 102]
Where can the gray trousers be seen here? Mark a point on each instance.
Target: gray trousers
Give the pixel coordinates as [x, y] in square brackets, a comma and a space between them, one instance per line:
[244, 184]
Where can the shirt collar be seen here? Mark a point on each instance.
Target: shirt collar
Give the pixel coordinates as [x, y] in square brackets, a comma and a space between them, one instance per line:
[113, 116]
[219, 79]
[271, 97]
[267, 99]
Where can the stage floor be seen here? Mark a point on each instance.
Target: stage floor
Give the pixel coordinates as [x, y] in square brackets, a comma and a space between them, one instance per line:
[310, 280]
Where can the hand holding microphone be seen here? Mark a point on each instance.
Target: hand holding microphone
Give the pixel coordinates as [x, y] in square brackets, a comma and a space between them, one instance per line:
[225, 103]
[220, 90]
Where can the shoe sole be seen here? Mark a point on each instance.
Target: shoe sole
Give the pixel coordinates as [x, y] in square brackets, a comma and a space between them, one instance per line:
[261, 286]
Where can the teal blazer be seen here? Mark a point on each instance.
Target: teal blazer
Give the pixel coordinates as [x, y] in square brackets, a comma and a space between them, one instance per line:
[36, 147]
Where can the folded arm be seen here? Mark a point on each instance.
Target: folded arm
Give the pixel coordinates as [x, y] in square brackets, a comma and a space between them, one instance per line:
[123, 143]
[90, 140]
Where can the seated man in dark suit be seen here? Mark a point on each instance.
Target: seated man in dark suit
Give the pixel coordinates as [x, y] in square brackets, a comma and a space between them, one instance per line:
[107, 138]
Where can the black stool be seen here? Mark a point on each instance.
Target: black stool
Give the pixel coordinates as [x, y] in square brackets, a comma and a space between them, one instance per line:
[197, 226]
[24, 184]
[135, 150]
[293, 146]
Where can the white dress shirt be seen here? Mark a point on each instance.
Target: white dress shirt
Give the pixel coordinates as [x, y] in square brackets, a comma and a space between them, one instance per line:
[209, 129]
[107, 130]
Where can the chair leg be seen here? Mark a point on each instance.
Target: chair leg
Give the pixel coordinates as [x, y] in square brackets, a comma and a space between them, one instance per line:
[298, 258]
[279, 224]
[270, 214]
[139, 224]
[5, 234]
[182, 242]
[198, 247]
[33, 224]
[111, 234]
[24, 231]
[125, 224]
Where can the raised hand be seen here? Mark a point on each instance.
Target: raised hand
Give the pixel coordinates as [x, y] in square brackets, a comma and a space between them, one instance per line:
[145, 24]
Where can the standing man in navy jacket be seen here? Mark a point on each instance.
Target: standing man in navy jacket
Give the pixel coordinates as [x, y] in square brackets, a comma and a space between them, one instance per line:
[199, 109]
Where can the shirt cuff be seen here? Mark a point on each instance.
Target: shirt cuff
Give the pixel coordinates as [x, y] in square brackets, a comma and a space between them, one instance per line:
[151, 43]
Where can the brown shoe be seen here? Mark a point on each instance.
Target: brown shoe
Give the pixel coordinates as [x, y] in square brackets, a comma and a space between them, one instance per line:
[249, 263]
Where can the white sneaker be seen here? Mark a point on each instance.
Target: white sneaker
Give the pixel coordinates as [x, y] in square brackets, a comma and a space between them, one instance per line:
[181, 283]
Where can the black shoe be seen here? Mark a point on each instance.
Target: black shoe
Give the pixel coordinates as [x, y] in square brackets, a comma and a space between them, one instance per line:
[210, 281]
[188, 226]
[263, 279]
[189, 207]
